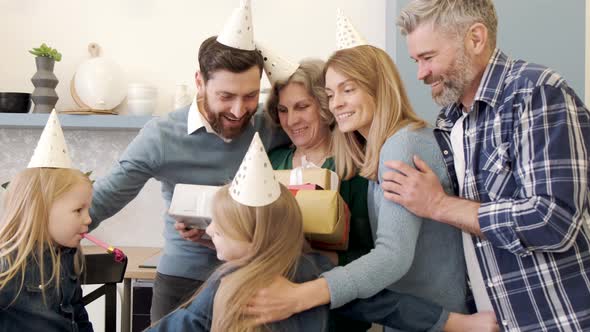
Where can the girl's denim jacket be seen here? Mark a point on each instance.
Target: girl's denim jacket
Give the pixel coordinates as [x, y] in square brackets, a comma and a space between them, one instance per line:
[61, 310]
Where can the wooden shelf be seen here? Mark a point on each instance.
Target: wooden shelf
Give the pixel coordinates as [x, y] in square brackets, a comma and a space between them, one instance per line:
[70, 121]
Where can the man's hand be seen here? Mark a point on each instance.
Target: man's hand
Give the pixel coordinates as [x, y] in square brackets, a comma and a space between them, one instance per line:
[418, 190]
[276, 302]
[479, 322]
[193, 234]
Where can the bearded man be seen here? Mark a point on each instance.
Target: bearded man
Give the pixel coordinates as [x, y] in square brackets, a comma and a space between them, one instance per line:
[202, 144]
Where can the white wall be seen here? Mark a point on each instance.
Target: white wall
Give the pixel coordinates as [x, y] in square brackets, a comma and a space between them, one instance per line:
[156, 41]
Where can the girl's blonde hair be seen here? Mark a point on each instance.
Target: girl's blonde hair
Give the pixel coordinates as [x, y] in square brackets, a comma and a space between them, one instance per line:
[24, 232]
[376, 74]
[275, 234]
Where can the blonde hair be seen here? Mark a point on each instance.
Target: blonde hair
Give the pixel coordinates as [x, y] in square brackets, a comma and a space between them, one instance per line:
[310, 75]
[275, 234]
[376, 74]
[24, 232]
[452, 16]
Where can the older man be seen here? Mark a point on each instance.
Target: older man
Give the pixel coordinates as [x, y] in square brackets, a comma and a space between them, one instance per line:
[515, 138]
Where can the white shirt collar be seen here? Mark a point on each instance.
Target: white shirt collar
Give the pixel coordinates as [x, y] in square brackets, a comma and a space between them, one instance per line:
[196, 121]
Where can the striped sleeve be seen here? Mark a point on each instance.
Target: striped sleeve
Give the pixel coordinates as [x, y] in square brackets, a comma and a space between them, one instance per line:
[550, 165]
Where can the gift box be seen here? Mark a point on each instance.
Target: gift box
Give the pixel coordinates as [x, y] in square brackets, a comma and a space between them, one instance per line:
[191, 204]
[326, 218]
[322, 177]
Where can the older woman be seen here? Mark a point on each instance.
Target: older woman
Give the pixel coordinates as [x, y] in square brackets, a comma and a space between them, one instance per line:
[300, 106]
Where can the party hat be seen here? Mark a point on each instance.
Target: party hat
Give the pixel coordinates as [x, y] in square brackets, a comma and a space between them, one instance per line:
[346, 34]
[238, 31]
[277, 68]
[51, 151]
[255, 184]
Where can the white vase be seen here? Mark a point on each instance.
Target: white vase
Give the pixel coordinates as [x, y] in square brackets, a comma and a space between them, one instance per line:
[182, 96]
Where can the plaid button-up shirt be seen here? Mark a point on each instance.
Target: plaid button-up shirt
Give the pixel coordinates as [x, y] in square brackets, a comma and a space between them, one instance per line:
[526, 141]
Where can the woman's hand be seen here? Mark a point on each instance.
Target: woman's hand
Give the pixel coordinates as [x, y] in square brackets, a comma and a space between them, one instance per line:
[283, 298]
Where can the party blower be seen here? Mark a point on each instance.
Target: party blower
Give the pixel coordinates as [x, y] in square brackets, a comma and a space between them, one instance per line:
[118, 253]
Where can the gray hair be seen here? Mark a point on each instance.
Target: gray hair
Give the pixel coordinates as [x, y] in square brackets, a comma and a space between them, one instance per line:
[310, 74]
[454, 16]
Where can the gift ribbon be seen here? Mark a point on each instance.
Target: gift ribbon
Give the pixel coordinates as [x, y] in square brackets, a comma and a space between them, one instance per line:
[118, 253]
[296, 176]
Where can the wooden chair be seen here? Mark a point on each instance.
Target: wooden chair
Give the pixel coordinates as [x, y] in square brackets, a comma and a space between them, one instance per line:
[103, 269]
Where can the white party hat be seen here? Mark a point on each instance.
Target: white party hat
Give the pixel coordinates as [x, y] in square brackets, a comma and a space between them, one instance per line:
[277, 68]
[346, 34]
[238, 31]
[255, 184]
[51, 151]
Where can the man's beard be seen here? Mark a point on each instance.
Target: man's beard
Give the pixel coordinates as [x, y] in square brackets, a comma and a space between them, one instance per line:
[214, 119]
[455, 82]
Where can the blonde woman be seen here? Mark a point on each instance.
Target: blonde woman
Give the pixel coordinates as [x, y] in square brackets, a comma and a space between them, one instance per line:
[412, 255]
[45, 215]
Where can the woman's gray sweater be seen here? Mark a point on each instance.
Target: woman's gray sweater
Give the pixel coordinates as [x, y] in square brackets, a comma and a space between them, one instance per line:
[412, 255]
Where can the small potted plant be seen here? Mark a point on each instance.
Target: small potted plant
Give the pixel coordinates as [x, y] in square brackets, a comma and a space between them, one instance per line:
[44, 80]
[46, 51]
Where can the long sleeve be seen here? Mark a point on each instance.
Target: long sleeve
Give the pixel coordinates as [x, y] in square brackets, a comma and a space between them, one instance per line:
[197, 317]
[398, 311]
[397, 235]
[140, 162]
[549, 161]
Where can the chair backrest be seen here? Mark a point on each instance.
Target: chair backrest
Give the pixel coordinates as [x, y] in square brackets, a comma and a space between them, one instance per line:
[103, 269]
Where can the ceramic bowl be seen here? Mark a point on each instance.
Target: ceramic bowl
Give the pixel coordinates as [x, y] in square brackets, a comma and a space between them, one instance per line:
[15, 102]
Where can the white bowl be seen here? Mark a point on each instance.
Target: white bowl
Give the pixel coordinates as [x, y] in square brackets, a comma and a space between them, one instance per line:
[145, 91]
[141, 106]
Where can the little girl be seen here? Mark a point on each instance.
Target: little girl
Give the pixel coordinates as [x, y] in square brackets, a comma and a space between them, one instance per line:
[45, 214]
[257, 230]
[256, 243]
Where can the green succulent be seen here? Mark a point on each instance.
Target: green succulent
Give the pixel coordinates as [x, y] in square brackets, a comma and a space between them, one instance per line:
[46, 51]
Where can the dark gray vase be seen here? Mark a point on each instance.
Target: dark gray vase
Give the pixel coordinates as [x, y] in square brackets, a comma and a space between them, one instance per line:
[45, 81]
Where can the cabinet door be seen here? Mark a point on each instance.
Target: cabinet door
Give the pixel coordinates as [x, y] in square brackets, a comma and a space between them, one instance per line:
[547, 32]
